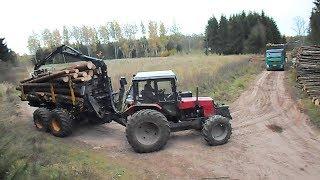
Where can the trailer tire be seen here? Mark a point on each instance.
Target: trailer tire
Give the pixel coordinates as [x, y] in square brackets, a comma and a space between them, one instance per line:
[61, 123]
[41, 119]
[147, 131]
[217, 130]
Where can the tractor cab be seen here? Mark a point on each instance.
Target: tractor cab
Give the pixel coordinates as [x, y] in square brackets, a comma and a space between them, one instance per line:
[158, 90]
[155, 89]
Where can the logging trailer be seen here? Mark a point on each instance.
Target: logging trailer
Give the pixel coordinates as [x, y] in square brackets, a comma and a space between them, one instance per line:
[150, 109]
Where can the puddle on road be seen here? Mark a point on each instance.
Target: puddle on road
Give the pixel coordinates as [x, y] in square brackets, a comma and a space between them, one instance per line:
[275, 128]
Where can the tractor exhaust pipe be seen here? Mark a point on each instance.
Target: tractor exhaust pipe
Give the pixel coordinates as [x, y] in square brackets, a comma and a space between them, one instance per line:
[197, 97]
[197, 104]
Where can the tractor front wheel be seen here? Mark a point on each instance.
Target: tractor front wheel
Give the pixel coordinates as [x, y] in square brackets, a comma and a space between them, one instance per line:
[147, 131]
[217, 130]
[61, 123]
[41, 119]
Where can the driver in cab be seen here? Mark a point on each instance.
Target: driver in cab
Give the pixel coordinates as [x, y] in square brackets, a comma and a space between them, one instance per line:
[148, 93]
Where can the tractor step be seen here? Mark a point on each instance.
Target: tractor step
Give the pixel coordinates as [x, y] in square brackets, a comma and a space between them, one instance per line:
[186, 125]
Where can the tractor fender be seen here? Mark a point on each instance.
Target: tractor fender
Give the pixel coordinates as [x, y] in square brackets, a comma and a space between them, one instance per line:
[137, 107]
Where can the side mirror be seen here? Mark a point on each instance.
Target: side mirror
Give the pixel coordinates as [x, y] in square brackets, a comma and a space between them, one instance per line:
[123, 81]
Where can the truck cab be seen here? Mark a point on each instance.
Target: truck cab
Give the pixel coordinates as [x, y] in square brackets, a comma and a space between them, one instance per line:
[275, 59]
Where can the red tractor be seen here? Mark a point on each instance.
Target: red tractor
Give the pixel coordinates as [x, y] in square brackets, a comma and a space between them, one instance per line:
[155, 108]
[152, 109]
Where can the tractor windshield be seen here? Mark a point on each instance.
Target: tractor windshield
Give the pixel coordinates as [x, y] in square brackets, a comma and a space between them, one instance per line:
[164, 90]
[151, 91]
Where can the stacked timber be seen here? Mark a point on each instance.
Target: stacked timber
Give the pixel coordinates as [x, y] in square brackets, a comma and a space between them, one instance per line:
[62, 86]
[308, 71]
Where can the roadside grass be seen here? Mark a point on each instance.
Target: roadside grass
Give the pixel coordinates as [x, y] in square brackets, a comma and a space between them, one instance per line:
[304, 100]
[232, 79]
[28, 154]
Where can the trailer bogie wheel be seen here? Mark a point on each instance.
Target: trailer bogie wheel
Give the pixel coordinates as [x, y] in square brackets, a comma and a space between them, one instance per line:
[61, 123]
[147, 131]
[41, 119]
[217, 130]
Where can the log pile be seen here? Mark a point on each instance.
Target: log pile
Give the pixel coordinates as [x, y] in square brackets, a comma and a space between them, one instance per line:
[58, 86]
[308, 71]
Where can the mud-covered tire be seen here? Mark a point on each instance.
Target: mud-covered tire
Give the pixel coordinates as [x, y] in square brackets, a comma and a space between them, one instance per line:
[147, 131]
[61, 123]
[41, 119]
[217, 130]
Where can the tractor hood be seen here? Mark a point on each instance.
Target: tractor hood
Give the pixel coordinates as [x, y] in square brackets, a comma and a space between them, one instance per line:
[205, 102]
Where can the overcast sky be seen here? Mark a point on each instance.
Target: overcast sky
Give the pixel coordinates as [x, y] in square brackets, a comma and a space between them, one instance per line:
[21, 17]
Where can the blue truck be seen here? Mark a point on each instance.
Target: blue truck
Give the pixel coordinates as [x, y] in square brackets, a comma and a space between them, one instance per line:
[275, 59]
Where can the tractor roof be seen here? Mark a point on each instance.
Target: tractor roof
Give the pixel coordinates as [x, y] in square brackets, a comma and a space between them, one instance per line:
[140, 76]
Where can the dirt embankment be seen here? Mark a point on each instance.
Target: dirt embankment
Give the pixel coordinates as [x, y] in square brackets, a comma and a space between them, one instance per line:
[271, 140]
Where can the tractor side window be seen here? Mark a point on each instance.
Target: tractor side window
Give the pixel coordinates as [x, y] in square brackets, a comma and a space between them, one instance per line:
[146, 92]
[165, 92]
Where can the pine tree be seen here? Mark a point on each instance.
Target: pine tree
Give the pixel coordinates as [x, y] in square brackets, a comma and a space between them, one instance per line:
[4, 51]
[236, 35]
[223, 34]
[211, 34]
[242, 33]
[7, 54]
[315, 23]
[256, 40]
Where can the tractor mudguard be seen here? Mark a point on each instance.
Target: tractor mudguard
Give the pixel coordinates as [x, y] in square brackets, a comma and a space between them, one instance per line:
[223, 110]
[134, 108]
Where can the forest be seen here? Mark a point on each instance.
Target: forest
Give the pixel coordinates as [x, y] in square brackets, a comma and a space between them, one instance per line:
[242, 33]
[116, 41]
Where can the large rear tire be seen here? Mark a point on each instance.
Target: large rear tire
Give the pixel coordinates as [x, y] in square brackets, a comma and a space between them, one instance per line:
[217, 130]
[41, 119]
[61, 123]
[147, 131]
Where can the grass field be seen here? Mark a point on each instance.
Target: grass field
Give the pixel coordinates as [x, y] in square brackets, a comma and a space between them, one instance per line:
[221, 77]
[27, 154]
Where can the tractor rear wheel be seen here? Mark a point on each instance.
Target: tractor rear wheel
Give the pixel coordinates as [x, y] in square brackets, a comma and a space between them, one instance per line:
[61, 123]
[147, 131]
[217, 130]
[41, 119]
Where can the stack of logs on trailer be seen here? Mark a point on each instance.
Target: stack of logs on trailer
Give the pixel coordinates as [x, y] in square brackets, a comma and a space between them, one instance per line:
[63, 86]
[308, 71]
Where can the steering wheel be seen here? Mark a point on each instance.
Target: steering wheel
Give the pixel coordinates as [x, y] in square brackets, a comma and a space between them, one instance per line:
[169, 97]
[162, 94]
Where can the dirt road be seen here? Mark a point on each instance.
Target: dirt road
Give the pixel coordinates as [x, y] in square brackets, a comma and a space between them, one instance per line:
[271, 139]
